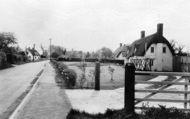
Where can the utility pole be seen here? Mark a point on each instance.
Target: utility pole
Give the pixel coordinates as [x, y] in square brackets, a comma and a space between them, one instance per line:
[50, 49]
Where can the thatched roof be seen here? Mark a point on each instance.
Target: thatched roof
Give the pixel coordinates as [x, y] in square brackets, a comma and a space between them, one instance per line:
[137, 48]
[121, 50]
[34, 52]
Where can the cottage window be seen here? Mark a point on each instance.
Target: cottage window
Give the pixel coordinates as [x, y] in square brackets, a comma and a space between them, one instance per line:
[164, 49]
[152, 49]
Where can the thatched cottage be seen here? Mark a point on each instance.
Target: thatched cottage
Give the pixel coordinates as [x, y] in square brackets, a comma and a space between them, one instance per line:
[153, 52]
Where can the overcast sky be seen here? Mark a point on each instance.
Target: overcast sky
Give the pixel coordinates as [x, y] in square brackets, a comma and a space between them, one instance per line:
[91, 24]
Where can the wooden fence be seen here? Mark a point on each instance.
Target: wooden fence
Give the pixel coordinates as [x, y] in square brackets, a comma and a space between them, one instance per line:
[129, 93]
[165, 84]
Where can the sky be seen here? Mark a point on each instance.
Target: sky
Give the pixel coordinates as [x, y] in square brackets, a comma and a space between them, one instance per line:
[88, 25]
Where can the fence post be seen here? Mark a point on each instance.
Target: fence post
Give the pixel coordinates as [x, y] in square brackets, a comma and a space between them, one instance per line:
[97, 76]
[185, 95]
[129, 96]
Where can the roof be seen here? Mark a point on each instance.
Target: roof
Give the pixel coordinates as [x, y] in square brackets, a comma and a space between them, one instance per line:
[121, 50]
[34, 52]
[137, 48]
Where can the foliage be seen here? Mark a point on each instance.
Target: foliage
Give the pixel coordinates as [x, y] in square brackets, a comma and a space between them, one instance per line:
[94, 55]
[54, 55]
[58, 49]
[91, 75]
[61, 67]
[109, 114]
[44, 52]
[152, 113]
[3, 60]
[164, 113]
[178, 48]
[105, 53]
[88, 55]
[6, 40]
[82, 78]
[70, 77]
[63, 58]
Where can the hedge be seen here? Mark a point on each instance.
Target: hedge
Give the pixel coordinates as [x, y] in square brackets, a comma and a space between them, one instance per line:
[3, 60]
[121, 62]
[69, 76]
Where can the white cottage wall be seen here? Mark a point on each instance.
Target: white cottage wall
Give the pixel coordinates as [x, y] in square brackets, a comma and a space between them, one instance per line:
[162, 61]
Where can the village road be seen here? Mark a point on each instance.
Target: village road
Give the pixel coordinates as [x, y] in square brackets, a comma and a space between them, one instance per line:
[14, 81]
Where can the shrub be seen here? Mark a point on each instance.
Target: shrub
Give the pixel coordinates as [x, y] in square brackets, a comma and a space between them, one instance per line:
[61, 67]
[152, 113]
[63, 58]
[69, 77]
[54, 55]
[3, 60]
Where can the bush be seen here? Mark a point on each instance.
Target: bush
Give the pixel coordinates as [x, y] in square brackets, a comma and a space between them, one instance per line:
[69, 77]
[61, 66]
[63, 58]
[54, 55]
[152, 113]
[3, 60]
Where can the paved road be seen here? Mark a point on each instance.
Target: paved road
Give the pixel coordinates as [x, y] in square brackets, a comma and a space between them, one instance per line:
[14, 81]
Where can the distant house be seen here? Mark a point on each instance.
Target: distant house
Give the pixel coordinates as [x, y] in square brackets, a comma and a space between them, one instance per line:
[121, 52]
[32, 54]
[154, 49]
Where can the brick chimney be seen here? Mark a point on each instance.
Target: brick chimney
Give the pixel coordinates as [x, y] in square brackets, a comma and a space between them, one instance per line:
[142, 34]
[120, 44]
[160, 29]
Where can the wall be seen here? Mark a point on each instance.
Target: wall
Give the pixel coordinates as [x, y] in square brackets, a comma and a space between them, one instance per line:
[162, 61]
[181, 63]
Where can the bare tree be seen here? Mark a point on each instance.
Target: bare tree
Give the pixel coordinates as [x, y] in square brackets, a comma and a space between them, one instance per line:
[178, 48]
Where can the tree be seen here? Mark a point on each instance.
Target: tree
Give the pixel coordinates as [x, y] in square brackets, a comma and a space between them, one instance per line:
[94, 55]
[6, 40]
[54, 55]
[88, 55]
[58, 49]
[44, 52]
[105, 53]
[178, 48]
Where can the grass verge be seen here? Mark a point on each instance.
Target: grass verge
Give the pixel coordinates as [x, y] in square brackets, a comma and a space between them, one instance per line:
[151, 113]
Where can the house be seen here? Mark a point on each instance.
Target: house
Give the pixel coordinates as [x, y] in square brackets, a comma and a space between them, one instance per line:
[121, 52]
[154, 49]
[32, 54]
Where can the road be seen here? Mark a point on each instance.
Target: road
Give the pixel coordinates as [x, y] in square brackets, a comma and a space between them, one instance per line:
[14, 81]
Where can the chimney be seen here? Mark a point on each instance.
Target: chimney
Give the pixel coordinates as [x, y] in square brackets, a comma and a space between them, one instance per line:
[120, 44]
[142, 34]
[160, 29]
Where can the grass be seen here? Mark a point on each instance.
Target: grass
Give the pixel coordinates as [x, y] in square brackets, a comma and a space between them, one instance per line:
[151, 113]
[105, 77]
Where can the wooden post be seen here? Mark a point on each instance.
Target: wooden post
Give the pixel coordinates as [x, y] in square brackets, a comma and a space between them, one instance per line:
[185, 95]
[129, 97]
[97, 76]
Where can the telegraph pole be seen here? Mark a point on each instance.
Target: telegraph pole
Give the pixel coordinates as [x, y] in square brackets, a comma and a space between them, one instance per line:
[50, 49]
